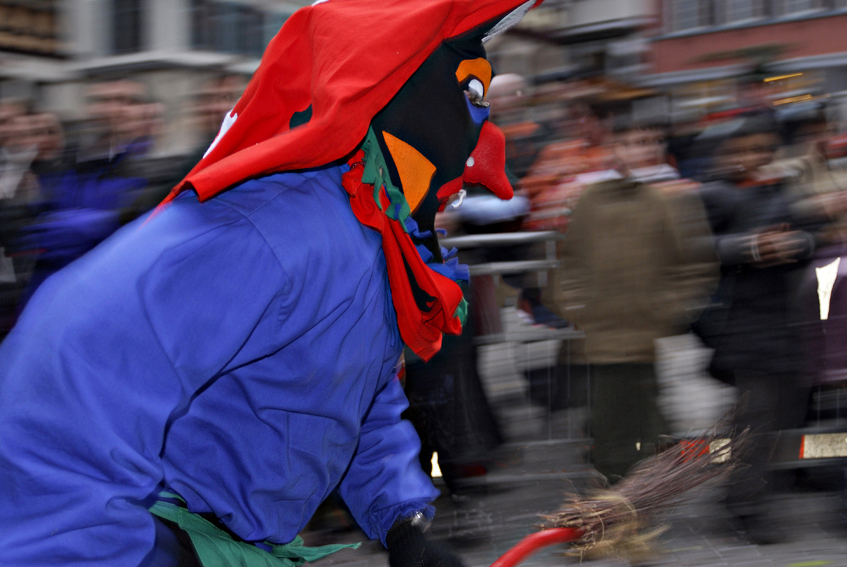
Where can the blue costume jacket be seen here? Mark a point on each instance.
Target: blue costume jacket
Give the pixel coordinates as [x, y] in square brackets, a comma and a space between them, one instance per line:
[240, 352]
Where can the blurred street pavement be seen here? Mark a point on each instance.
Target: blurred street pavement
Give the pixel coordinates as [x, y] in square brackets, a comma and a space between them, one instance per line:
[502, 507]
[533, 477]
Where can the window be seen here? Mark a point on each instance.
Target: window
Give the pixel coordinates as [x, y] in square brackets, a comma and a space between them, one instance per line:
[126, 26]
[737, 10]
[685, 14]
[689, 14]
[202, 20]
[792, 6]
[227, 27]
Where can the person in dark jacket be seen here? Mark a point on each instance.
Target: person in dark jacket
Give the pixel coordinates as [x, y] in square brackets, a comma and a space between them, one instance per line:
[761, 242]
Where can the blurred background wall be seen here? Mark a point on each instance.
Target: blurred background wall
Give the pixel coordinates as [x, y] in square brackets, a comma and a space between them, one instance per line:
[677, 58]
[50, 49]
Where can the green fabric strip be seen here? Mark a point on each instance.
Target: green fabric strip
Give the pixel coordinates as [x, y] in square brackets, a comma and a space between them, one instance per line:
[376, 174]
[216, 548]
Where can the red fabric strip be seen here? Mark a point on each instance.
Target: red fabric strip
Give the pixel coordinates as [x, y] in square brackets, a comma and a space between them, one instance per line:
[420, 330]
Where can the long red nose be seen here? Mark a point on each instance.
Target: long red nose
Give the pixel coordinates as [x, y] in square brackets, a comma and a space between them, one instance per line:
[487, 164]
[486, 167]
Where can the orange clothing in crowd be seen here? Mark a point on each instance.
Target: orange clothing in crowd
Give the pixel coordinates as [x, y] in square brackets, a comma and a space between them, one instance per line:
[557, 178]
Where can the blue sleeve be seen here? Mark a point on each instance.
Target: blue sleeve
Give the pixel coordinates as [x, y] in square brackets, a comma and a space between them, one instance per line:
[385, 480]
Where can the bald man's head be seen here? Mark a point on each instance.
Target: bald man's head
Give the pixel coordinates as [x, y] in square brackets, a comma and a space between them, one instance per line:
[507, 94]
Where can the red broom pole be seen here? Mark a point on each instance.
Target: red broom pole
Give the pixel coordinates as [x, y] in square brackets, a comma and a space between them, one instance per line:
[533, 542]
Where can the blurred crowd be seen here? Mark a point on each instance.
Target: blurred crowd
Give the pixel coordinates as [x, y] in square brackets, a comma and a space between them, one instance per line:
[727, 226]
[65, 186]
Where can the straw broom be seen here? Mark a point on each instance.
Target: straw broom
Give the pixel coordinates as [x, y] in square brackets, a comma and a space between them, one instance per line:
[622, 520]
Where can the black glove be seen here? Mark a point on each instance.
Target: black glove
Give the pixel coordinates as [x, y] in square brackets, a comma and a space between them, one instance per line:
[407, 547]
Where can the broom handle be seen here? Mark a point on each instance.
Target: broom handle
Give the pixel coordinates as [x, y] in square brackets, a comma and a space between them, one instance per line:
[533, 542]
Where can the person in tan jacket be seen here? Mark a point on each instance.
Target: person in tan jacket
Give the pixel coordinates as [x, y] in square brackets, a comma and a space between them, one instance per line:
[637, 262]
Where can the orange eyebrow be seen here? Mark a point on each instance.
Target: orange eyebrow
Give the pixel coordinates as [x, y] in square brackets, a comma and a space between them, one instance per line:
[479, 68]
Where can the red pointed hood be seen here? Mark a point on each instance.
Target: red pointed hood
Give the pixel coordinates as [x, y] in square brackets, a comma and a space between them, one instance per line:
[338, 62]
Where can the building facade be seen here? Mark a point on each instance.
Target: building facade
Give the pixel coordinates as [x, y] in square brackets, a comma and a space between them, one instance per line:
[699, 48]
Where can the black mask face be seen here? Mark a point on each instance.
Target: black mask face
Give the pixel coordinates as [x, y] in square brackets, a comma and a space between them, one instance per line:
[429, 129]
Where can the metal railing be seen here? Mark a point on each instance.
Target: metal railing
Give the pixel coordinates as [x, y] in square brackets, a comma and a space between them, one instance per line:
[507, 358]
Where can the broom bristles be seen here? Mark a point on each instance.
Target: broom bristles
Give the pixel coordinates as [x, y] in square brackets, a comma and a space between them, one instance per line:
[623, 519]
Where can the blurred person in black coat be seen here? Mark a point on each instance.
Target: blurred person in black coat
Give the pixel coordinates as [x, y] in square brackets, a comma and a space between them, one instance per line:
[19, 186]
[762, 243]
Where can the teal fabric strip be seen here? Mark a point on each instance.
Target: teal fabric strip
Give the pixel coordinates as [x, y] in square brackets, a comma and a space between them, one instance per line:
[462, 311]
[216, 548]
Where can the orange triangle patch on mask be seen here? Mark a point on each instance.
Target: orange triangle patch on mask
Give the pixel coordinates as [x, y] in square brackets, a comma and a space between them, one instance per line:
[414, 169]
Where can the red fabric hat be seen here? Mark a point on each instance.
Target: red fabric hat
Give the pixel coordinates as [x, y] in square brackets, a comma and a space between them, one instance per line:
[344, 60]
